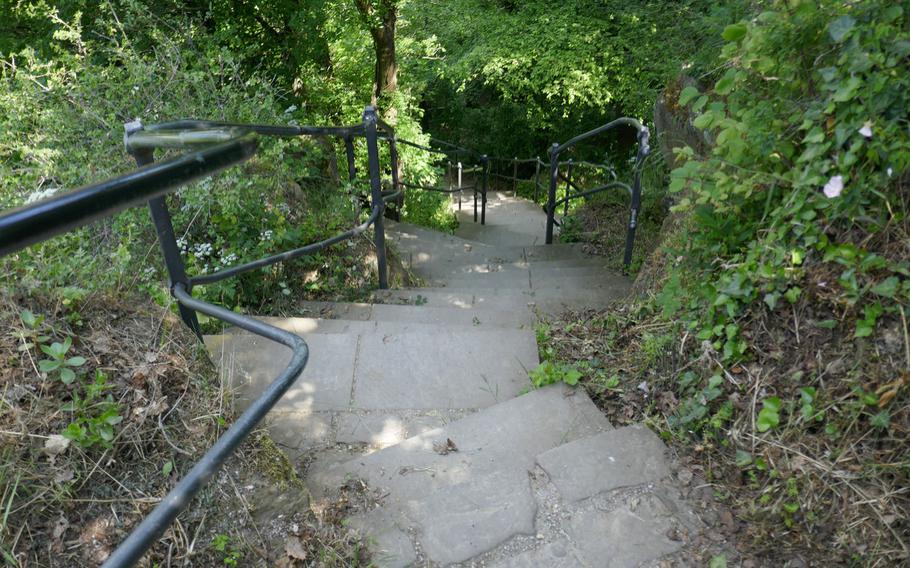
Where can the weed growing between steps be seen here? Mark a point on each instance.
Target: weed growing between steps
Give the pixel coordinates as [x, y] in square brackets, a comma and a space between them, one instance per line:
[107, 403]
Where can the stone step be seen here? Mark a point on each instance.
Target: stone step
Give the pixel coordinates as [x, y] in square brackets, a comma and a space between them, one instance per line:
[467, 497]
[452, 316]
[547, 300]
[389, 372]
[582, 277]
[391, 318]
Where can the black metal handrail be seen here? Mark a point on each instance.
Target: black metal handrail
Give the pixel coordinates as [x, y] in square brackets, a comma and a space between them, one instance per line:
[82, 206]
[64, 212]
[634, 191]
[225, 144]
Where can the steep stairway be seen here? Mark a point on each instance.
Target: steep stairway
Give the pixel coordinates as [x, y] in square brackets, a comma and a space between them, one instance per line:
[424, 395]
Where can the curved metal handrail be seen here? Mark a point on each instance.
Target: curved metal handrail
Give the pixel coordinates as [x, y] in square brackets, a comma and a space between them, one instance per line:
[635, 193]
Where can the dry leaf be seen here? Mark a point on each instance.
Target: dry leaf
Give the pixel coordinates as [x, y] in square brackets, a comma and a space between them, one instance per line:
[294, 548]
[444, 448]
[55, 445]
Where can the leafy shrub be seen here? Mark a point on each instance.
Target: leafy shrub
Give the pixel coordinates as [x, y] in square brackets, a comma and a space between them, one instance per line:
[810, 158]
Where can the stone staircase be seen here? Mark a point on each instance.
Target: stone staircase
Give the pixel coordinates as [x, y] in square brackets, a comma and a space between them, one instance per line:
[424, 395]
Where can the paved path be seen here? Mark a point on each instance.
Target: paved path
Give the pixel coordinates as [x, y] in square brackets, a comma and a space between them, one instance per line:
[424, 395]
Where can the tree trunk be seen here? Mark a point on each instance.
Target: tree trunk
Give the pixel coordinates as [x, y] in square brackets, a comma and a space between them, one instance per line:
[381, 17]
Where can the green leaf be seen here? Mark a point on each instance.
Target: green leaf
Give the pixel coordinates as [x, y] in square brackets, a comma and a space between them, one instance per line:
[75, 361]
[743, 459]
[67, 375]
[74, 432]
[793, 294]
[769, 416]
[839, 28]
[114, 420]
[48, 365]
[167, 468]
[28, 318]
[734, 32]
[719, 561]
[687, 95]
[887, 287]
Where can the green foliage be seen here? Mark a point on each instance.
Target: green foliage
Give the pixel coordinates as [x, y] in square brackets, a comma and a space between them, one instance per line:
[548, 70]
[769, 416]
[792, 178]
[549, 373]
[58, 363]
[95, 414]
[230, 555]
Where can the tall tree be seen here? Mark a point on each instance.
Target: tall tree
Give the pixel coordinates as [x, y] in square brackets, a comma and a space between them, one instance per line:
[381, 18]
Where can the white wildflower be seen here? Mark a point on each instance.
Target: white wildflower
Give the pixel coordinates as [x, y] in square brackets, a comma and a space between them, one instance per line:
[866, 130]
[834, 187]
[890, 171]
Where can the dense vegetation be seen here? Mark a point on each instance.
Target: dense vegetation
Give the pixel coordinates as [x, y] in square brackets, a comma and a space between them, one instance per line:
[770, 337]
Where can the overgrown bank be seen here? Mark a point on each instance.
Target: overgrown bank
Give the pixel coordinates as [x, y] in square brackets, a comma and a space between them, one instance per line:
[771, 339]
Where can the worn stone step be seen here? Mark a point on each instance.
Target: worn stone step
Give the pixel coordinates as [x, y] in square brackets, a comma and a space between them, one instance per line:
[585, 277]
[384, 368]
[547, 300]
[462, 502]
[628, 456]
[444, 316]
[455, 269]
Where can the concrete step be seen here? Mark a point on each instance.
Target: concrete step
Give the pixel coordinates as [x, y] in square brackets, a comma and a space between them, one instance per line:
[465, 316]
[547, 300]
[467, 497]
[394, 370]
[581, 277]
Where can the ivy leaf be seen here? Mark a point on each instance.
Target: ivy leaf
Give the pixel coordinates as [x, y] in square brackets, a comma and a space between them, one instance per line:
[769, 416]
[734, 32]
[687, 95]
[840, 27]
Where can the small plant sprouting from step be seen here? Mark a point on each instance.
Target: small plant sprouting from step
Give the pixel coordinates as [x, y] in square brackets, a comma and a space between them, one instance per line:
[420, 300]
[548, 373]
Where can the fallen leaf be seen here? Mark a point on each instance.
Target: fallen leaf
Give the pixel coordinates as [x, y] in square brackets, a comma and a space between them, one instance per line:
[60, 527]
[444, 448]
[55, 445]
[294, 548]
[64, 476]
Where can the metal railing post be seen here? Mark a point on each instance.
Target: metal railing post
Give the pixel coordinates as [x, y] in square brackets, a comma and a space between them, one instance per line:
[551, 195]
[485, 162]
[565, 207]
[515, 174]
[396, 182]
[475, 199]
[459, 185]
[161, 217]
[372, 137]
[643, 151]
[349, 151]
[537, 179]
